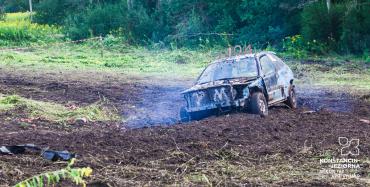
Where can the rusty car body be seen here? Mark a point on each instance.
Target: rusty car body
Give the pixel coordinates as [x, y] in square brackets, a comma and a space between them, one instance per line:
[250, 82]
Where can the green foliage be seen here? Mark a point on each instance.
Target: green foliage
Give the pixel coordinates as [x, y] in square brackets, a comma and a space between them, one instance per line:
[55, 11]
[355, 37]
[343, 29]
[100, 20]
[16, 29]
[205, 23]
[295, 46]
[75, 175]
[366, 56]
[15, 5]
[263, 22]
[299, 47]
[318, 23]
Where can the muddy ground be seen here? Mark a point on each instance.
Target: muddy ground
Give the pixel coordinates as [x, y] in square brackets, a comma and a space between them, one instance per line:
[282, 149]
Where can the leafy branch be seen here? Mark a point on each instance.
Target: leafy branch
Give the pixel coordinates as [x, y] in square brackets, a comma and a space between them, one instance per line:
[76, 175]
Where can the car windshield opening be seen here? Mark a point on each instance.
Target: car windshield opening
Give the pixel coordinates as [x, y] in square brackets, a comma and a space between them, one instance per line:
[229, 69]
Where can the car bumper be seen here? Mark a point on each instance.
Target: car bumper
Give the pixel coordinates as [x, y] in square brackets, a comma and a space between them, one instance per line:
[211, 106]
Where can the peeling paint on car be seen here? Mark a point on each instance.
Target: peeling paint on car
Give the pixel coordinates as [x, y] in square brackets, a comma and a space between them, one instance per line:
[234, 92]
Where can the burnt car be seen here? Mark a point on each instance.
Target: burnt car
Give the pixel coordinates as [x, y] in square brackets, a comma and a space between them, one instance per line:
[251, 83]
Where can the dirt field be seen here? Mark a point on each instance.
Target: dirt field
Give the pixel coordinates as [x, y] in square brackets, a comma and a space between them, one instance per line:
[283, 149]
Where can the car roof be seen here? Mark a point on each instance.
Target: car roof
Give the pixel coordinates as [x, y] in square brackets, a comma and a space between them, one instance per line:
[238, 57]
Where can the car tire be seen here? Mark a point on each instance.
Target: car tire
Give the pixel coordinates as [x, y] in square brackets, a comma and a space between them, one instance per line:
[292, 98]
[184, 115]
[258, 104]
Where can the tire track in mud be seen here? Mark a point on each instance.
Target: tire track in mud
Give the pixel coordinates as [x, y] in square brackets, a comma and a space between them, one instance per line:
[320, 98]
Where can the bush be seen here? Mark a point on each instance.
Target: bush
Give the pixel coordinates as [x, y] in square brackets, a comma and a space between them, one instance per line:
[186, 29]
[366, 56]
[100, 20]
[295, 46]
[15, 5]
[17, 29]
[356, 26]
[55, 11]
[320, 24]
[299, 47]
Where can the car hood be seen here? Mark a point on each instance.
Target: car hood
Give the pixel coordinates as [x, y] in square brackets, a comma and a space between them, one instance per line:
[218, 83]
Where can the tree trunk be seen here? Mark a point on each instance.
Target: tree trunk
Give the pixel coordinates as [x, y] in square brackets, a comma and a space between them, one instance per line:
[129, 4]
[328, 4]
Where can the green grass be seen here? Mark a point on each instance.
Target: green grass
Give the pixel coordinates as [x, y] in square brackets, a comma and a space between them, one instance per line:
[354, 75]
[135, 60]
[57, 112]
[17, 30]
[17, 16]
[177, 63]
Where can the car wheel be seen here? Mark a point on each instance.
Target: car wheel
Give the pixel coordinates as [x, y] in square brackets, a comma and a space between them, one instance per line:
[184, 115]
[258, 104]
[292, 98]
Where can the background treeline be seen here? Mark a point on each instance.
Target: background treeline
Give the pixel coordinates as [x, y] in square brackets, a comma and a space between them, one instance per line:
[298, 26]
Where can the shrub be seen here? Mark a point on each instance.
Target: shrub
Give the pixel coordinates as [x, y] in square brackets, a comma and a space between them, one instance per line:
[15, 5]
[320, 24]
[17, 29]
[299, 47]
[95, 21]
[356, 26]
[295, 46]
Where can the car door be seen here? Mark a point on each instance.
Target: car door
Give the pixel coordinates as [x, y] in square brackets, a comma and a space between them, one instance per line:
[284, 75]
[270, 78]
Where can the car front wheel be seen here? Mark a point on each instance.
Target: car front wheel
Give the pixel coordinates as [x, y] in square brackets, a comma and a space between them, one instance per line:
[292, 98]
[258, 104]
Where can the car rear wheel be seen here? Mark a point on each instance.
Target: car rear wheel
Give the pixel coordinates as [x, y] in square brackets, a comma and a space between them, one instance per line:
[292, 98]
[258, 104]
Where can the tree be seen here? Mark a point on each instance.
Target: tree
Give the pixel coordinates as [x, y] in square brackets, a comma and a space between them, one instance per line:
[355, 37]
[267, 22]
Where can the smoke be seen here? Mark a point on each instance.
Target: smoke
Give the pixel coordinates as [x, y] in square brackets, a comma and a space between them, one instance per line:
[159, 105]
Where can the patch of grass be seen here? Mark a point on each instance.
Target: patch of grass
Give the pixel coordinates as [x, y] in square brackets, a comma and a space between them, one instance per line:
[59, 113]
[17, 16]
[179, 62]
[171, 63]
[10, 100]
[354, 75]
[355, 81]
